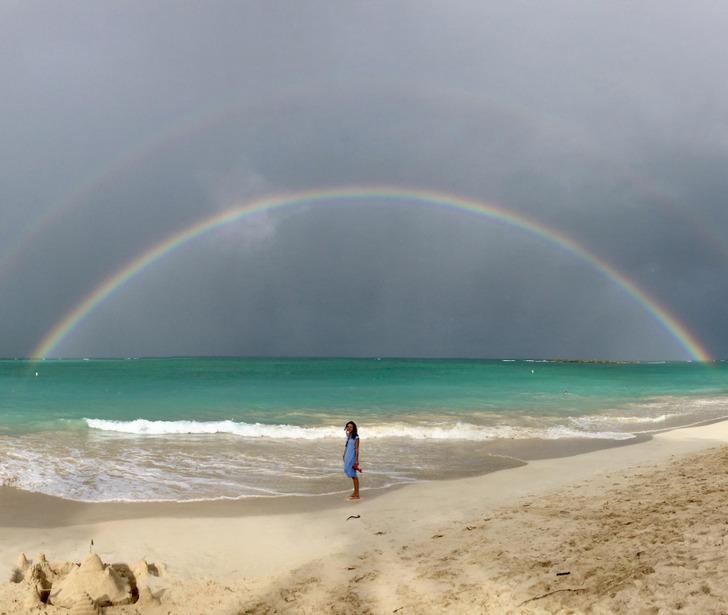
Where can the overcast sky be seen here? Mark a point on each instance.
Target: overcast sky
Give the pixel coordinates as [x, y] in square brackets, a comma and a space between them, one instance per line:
[123, 123]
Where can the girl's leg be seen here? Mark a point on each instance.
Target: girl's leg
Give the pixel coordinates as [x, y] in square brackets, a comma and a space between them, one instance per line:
[356, 487]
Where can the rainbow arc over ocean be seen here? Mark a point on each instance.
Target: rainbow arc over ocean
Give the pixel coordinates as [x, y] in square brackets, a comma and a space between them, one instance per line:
[348, 195]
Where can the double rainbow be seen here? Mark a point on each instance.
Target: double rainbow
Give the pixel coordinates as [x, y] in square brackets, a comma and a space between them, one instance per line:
[353, 194]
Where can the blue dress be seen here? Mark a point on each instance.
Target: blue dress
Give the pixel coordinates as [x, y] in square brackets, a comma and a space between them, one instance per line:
[350, 457]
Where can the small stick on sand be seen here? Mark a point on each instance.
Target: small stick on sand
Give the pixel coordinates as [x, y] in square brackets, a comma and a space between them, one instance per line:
[556, 591]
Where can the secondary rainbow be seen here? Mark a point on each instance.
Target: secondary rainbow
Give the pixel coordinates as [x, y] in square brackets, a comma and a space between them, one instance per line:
[185, 127]
[352, 194]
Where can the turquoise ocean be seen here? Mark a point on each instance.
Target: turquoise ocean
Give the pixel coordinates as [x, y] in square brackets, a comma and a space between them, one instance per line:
[207, 428]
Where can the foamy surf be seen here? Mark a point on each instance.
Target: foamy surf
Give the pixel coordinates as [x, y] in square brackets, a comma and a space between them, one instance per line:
[146, 427]
[454, 431]
[588, 422]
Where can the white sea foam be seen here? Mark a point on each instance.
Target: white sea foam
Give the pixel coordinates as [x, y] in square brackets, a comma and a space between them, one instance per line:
[586, 422]
[247, 430]
[444, 431]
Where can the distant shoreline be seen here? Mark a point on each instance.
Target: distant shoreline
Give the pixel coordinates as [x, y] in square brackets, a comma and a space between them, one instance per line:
[367, 358]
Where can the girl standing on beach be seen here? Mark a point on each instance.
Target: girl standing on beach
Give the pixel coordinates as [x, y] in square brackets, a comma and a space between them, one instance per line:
[351, 457]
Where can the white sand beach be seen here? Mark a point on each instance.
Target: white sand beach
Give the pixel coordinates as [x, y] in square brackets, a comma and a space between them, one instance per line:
[635, 529]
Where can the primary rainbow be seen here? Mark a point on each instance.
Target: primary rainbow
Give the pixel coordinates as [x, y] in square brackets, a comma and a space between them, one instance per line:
[352, 194]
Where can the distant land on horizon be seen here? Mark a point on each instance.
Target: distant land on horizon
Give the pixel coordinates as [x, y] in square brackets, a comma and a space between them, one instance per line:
[591, 361]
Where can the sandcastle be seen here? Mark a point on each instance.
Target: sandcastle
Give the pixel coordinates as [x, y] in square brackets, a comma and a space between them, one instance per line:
[101, 583]
[84, 587]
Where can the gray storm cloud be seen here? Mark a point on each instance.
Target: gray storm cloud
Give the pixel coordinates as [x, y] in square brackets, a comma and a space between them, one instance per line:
[607, 123]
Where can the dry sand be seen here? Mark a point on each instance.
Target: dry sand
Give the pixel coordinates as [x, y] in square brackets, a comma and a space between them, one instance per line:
[635, 529]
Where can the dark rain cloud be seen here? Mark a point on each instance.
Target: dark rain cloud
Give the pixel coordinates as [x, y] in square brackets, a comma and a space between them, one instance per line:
[607, 123]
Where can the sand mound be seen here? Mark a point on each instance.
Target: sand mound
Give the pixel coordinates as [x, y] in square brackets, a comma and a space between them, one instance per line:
[84, 587]
[102, 583]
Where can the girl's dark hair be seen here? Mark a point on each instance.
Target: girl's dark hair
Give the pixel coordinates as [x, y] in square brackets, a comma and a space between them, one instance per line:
[354, 432]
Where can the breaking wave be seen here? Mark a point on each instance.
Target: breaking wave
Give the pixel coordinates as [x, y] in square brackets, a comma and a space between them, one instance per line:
[447, 431]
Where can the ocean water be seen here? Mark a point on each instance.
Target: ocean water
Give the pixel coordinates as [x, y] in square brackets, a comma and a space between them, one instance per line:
[205, 428]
